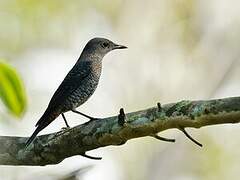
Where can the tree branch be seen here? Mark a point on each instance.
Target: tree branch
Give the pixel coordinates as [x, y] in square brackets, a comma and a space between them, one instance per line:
[53, 148]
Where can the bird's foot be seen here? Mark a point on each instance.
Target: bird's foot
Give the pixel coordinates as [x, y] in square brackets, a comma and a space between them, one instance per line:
[92, 119]
[65, 128]
[62, 131]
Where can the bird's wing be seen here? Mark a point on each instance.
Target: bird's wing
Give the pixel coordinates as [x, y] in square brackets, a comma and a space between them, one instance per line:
[70, 83]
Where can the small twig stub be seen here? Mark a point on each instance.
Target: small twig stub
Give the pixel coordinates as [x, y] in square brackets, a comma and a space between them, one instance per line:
[159, 107]
[121, 117]
[190, 137]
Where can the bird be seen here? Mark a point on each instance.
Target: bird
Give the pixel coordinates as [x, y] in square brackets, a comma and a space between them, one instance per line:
[78, 85]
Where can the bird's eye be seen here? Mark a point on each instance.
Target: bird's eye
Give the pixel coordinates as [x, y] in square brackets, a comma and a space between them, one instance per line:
[104, 45]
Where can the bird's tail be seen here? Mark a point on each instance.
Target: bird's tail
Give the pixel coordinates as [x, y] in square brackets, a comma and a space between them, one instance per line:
[35, 133]
[43, 122]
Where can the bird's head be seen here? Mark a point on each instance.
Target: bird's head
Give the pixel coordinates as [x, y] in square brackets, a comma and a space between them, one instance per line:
[100, 47]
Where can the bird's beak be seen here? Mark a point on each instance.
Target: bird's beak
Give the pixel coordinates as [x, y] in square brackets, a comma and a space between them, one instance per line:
[119, 47]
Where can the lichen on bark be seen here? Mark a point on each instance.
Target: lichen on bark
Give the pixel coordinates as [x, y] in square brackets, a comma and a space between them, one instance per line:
[53, 148]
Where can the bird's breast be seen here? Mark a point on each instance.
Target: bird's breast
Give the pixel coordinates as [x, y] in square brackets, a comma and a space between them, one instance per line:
[84, 92]
[87, 87]
[96, 68]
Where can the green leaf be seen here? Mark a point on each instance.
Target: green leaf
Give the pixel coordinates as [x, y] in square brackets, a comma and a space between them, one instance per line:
[12, 91]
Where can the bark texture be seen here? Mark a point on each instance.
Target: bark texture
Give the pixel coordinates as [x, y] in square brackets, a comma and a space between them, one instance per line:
[116, 130]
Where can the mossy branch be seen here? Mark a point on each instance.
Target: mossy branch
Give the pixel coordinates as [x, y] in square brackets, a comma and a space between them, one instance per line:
[55, 147]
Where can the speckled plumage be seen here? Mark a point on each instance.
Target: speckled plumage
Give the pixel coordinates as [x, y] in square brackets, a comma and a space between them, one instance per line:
[79, 84]
[85, 87]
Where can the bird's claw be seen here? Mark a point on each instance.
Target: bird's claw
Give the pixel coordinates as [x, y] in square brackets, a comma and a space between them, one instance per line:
[64, 129]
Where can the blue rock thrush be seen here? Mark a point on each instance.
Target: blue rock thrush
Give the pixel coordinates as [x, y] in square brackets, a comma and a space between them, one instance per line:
[79, 84]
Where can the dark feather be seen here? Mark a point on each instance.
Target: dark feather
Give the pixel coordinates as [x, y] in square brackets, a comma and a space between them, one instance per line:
[72, 81]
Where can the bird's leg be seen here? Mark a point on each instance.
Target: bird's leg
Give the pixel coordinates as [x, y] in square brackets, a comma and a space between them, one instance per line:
[64, 118]
[62, 131]
[87, 116]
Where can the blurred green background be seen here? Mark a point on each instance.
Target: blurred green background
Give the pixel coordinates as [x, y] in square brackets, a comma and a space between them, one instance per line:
[178, 49]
